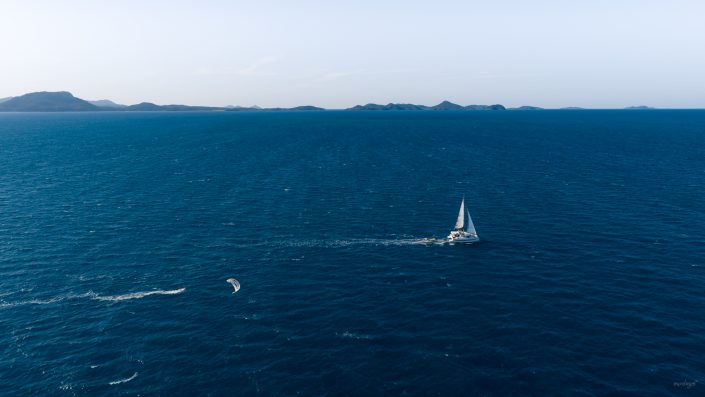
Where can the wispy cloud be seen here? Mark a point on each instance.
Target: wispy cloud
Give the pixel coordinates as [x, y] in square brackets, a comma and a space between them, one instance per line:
[338, 75]
[259, 67]
[328, 76]
[331, 76]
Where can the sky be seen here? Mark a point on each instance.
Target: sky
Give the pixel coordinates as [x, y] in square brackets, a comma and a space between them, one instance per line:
[336, 54]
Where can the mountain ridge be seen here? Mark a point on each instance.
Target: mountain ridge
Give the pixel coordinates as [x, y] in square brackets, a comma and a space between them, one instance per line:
[443, 106]
[107, 103]
[61, 101]
[64, 101]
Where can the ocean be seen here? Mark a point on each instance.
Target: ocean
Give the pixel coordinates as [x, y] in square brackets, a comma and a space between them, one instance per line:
[118, 232]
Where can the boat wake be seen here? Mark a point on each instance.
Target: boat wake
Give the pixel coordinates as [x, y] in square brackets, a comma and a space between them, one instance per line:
[48, 301]
[138, 295]
[117, 382]
[91, 295]
[360, 242]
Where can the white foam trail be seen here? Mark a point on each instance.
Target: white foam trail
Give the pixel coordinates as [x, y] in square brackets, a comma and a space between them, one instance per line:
[46, 301]
[91, 295]
[32, 302]
[362, 241]
[117, 382]
[138, 295]
[234, 283]
[348, 243]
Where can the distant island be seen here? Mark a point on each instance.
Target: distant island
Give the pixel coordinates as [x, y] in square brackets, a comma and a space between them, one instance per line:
[64, 101]
[527, 108]
[445, 105]
[47, 102]
[642, 107]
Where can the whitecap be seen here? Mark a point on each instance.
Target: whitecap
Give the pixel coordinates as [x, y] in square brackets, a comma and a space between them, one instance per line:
[137, 295]
[119, 381]
[348, 334]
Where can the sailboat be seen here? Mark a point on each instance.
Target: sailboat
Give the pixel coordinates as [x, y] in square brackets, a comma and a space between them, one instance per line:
[463, 233]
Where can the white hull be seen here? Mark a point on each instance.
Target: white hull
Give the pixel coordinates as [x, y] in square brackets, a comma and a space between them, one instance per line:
[463, 239]
[460, 236]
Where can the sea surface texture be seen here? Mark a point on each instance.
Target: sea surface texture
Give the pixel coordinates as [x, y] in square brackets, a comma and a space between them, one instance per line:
[118, 232]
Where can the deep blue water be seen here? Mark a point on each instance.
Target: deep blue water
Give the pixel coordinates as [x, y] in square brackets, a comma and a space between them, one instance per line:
[117, 232]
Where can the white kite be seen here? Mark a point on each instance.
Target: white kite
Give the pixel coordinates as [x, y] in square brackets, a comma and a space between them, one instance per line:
[234, 283]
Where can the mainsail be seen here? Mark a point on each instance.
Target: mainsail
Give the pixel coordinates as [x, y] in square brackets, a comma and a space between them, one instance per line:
[471, 226]
[460, 223]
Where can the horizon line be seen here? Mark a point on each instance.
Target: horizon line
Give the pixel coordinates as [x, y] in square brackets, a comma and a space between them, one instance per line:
[381, 103]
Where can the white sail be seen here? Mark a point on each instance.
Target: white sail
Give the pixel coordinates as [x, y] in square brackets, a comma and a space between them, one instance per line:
[460, 223]
[471, 227]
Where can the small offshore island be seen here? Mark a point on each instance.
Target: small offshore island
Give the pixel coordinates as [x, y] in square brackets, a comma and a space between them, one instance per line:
[63, 101]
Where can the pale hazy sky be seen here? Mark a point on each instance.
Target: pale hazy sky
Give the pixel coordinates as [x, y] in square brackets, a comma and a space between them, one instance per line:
[341, 53]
